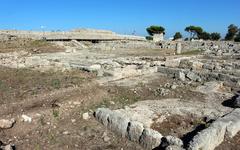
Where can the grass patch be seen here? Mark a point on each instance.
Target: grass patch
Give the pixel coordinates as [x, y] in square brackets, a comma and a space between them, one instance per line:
[55, 113]
[121, 98]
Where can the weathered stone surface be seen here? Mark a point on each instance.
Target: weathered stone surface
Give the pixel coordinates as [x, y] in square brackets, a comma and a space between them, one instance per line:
[193, 76]
[172, 63]
[6, 124]
[174, 141]
[118, 123]
[178, 48]
[8, 147]
[174, 147]
[210, 87]
[134, 131]
[150, 139]
[158, 37]
[86, 116]
[182, 76]
[102, 115]
[210, 138]
[197, 65]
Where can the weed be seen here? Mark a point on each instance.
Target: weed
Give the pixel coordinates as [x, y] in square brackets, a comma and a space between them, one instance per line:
[55, 113]
[56, 83]
[42, 121]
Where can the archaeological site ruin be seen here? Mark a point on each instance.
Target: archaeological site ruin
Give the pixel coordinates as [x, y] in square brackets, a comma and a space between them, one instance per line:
[93, 89]
[119, 75]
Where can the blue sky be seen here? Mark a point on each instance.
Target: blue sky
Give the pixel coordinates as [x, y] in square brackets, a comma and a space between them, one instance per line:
[122, 16]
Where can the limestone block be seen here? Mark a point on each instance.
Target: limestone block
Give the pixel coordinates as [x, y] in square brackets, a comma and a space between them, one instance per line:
[134, 131]
[150, 139]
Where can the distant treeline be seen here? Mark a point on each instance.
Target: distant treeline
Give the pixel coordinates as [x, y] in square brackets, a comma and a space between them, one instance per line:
[196, 32]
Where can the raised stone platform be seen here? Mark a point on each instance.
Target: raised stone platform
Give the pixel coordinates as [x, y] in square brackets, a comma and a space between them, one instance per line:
[79, 34]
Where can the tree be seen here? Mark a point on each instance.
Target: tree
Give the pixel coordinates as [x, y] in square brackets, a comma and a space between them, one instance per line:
[194, 31]
[232, 31]
[177, 35]
[204, 35]
[237, 38]
[155, 30]
[215, 36]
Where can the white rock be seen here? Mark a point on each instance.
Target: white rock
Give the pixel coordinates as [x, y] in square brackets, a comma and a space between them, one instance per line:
[27, 118]
[105, 137]
[210, 138]
[86, 116]
[150, 139]
[8, 147]
[6, 124]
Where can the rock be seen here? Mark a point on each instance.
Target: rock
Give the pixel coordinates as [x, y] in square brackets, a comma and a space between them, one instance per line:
[197, 65]
[182, 76]
[95, 67]
[73, 120]
[173, 86]
[8, 147]
[161, 91]
[26, 118]
[226, 127]
[118, 123]
[102, 114]
[171, 141]
[172, 63]
[174, 141]
[115, 121]
[6, 124]
[210, 87]
[150, 139]
[66, 133]
[134, 131]
[174, 147]
[105, 137]
[86, 116]
[194, 77]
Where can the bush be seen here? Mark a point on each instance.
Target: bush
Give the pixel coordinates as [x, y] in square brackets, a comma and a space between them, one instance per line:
[204, 35]
[232, 31]
[150, 38]
[177, 35]
[215, 36]
[237, 39]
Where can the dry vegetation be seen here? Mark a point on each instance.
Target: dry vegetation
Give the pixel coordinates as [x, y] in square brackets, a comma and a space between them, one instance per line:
[32, 46]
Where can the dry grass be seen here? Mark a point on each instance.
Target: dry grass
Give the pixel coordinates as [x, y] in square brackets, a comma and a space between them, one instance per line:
[18, 84]
[32, 46]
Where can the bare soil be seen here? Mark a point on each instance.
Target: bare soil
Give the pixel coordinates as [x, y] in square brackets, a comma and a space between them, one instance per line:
[32, 46]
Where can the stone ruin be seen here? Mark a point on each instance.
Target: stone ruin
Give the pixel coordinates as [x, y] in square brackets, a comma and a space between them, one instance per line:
[217, 66]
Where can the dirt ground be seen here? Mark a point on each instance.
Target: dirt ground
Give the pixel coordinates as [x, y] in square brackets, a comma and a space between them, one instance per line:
[32, 46]
[56, 102]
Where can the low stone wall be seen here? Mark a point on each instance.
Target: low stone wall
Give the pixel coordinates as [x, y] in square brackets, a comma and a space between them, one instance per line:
[134, 130]
[214, 135]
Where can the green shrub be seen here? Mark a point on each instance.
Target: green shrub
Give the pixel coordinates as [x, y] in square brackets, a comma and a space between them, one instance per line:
[150, 38]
